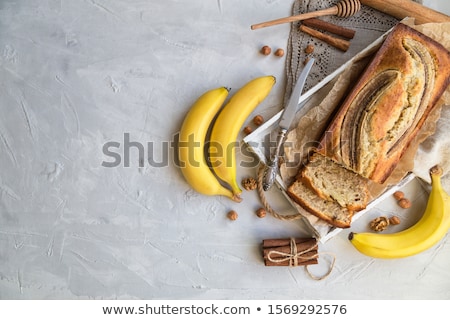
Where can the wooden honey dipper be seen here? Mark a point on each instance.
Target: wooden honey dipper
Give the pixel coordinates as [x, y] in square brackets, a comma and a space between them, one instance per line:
[342, 9]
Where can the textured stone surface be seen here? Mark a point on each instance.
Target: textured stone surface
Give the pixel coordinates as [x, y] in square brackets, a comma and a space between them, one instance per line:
[76, 75]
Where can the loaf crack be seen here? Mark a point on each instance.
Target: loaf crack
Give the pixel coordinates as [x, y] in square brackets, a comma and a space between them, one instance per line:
[410, 90]
[419, 87]
[356, 123]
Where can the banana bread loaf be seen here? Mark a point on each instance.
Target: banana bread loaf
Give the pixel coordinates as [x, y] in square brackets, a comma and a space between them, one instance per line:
[374, 125]
[388, 105]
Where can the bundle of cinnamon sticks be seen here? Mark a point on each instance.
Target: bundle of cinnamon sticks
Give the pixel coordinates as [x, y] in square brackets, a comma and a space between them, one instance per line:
[290, 252]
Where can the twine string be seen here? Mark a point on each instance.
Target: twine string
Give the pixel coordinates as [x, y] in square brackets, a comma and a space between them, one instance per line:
[264, 201]
[294, 255]
[330, 269]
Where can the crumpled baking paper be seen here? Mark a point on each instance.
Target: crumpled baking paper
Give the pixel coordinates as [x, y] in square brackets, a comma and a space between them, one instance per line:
[430, 147]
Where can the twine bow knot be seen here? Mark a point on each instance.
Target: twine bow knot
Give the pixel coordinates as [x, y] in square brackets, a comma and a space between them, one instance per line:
[292, 256]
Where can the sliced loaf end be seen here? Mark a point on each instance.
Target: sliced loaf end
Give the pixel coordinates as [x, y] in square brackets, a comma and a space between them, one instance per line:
[329, 211]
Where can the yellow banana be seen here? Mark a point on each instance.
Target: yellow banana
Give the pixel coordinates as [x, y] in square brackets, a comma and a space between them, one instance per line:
[427, 232]
[225, 131]
[191, 144]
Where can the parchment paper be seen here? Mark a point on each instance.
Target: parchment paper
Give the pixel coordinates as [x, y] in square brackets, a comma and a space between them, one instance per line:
[418, 158]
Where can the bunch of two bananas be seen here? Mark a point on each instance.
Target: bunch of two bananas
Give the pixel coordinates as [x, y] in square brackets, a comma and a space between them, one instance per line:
[224, 133]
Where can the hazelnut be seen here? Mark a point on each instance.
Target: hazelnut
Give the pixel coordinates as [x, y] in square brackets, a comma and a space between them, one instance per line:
[232, 215]
[279, 52]
[258, 120]
[248, 130]
[379, 224]
[394, 220]
[398, 195]
[404, 203]
[261, 213]
[266, 50]
[249, 184]
[309, 49]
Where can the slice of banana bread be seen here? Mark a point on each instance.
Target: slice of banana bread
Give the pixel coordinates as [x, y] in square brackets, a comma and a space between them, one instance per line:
[329, 211]
[333, 182]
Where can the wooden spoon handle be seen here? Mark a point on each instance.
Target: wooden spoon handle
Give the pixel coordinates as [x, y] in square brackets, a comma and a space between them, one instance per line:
[303, 16]
[406, 8]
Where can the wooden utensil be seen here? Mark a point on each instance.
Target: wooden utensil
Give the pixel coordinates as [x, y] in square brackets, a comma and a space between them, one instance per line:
[406, 8]
[343, 9]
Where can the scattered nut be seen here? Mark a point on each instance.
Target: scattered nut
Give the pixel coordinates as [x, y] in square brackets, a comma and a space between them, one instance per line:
[379, 224]
[404, 203]
[248, 130]
[309, 49]
[394, 220]
[306, 61]
[232, 215]
[266, 50]
[398, 195]
[258, 120]
[261, 212]
[249, 184]
[279, 52]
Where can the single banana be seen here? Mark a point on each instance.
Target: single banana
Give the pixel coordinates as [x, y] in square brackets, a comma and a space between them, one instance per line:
[225, 131]
[428, 231]
[191, 144]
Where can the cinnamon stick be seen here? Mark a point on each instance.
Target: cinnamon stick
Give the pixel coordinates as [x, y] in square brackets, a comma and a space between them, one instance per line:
[338, 43]
[270, 243]
[330, 27]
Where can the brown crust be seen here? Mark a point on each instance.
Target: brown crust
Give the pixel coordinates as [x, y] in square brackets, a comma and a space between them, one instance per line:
[339, 142]
[309, 184]
[410, 71]
[339, 223]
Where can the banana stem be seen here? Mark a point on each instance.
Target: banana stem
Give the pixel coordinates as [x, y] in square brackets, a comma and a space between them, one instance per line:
[236, 198]
[436, 171]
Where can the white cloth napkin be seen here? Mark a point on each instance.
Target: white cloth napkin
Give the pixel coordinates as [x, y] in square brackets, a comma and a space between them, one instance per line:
[435, 150]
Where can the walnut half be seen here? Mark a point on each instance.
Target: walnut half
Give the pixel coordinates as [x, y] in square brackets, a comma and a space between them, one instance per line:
[379, 224]
[249, 184]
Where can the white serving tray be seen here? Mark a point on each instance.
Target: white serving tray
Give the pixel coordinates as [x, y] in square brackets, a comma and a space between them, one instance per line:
[254, 142]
